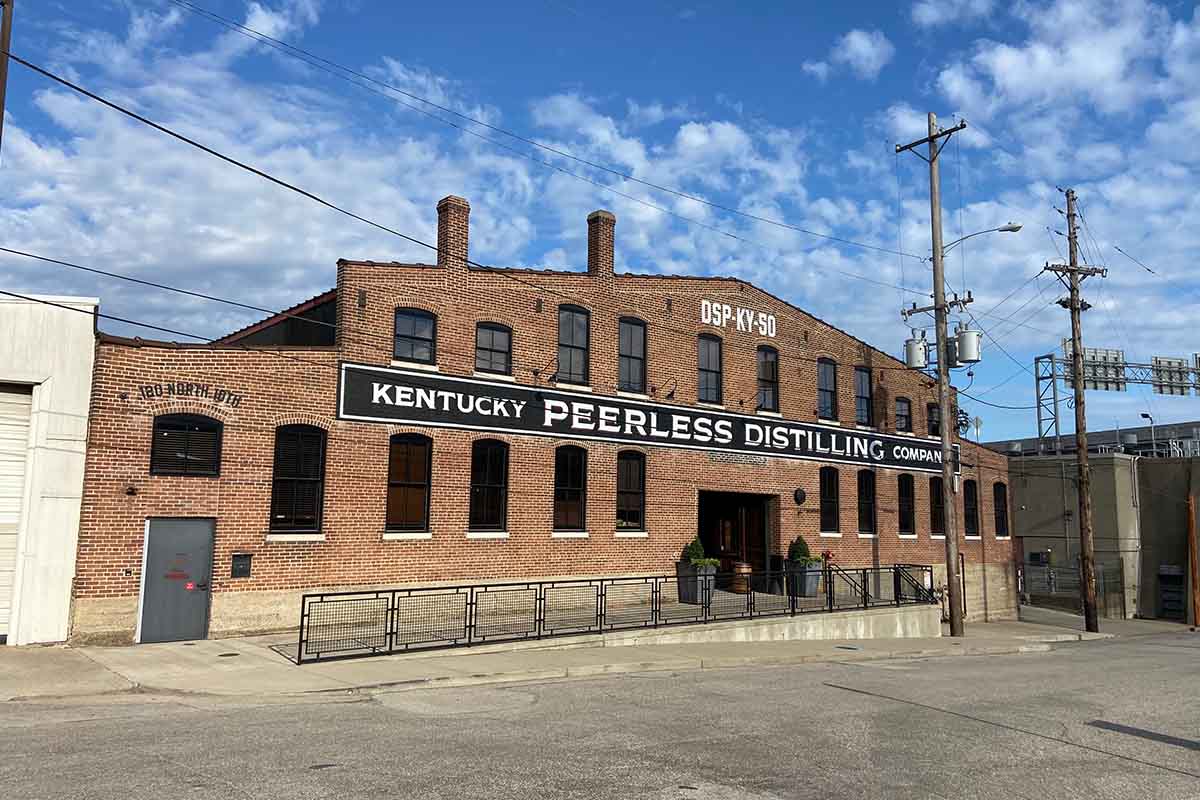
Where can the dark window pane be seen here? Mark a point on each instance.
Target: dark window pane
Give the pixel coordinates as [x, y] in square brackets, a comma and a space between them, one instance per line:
[903, 414]
[631, 491]
[409, 457]
[768, 379]
[864, 412]
[185, 444]
[826, 389]
[572, 345]
[489, 485]
[416, 335]
[570, 487]
[933, 415]
[1000, 503]
[970, 508]
[829, 500]
[866, 501]
[298, 482]
[937, 507]
[632, 355]
[708, 359]
[907, 502]
[493, 348]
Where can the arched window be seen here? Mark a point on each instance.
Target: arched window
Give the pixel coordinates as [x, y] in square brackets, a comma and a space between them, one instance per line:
[768, 378]
[937, 507]
[573, 345]
[904, 414]
[493, 348]
[906, 492]
[866, 502]
[570, 488]
[830, 517]
[864, 400]
[631, 491]
[298, 482]
[489, 485]
[185, 444]
[416, 336]
[631, 347]
[933, 419]
[970, 508]
[826, 388]
[1000, 508]
[409, 460]
[708, 363]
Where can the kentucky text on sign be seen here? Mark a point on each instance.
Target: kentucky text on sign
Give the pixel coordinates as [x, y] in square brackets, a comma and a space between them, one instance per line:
[388, 395]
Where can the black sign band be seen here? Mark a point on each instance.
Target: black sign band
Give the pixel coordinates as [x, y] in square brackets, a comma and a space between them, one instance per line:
[389, 395]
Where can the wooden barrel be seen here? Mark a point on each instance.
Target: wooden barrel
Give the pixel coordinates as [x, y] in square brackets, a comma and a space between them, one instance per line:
[741, 577]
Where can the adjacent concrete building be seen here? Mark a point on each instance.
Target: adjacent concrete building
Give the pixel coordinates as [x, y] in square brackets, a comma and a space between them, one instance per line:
[46, 356]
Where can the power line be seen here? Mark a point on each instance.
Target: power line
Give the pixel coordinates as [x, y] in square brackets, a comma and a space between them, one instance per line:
[997, 405]
[346, 73]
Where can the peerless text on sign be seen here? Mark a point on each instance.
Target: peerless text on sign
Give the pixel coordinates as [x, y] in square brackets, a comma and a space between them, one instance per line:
[389, 395]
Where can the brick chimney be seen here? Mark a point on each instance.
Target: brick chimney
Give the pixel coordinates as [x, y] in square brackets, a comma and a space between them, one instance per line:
[600, 242]
[454, 215]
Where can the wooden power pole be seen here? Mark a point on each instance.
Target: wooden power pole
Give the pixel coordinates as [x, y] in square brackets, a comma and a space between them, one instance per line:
[1072, 275]
[940, 311]
[6, 15]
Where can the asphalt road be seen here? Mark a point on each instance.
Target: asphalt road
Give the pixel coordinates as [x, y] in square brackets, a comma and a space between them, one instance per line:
[1110, 719]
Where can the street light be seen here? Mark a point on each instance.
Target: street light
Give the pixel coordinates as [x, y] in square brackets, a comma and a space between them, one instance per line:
[1153, 437]
[1011, 227]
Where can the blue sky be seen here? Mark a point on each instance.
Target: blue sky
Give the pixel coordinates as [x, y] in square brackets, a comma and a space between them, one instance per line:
[783, 112]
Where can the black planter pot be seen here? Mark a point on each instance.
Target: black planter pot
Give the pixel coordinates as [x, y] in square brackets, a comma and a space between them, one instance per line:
[804, 580]
[692, 581]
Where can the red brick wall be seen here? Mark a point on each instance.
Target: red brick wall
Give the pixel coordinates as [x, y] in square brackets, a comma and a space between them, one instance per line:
[285, 386]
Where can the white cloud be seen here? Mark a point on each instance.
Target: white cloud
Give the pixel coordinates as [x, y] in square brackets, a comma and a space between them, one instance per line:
[818, 69]
[932, 13]
[864, 52]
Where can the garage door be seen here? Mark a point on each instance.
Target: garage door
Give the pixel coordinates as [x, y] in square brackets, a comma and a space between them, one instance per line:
[14, 445]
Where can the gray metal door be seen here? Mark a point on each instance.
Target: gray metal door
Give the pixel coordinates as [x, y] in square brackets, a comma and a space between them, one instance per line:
[177, 573]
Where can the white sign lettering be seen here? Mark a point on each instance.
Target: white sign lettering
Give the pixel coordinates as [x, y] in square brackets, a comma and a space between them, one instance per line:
[744, 320]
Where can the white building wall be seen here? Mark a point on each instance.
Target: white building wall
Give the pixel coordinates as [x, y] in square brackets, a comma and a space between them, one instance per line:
[53, 350]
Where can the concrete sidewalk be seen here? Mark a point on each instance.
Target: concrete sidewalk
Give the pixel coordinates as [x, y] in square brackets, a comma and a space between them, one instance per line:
[1116, 627]
[251, 667]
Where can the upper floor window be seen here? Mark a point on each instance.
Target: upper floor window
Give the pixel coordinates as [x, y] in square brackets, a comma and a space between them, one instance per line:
[632, 355]
[937, 507]
[489, 485]
[708, 360]
[903, 414]
[185, 444]
[864, 406]
[409, 459]
[933, 418]
[298, 480]
[493, 348]
[416, 336]
[866, 501]
[631, 491]
[768, 378]
[906, 492]
[970, 508]
[1000, 508]
[570, 488]
[829, 500]
[573, 344]
[826, 388]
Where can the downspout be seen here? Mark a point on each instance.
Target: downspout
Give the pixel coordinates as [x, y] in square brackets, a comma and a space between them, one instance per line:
[1137, 529]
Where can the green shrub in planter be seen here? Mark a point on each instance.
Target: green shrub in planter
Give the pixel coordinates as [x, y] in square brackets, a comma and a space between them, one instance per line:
[804, 574]
[694, 573]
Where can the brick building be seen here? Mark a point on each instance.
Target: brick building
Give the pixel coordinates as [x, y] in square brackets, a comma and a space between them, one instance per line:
[426, 423]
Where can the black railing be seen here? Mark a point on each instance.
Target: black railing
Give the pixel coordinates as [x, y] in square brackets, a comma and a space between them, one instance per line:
[353, 624]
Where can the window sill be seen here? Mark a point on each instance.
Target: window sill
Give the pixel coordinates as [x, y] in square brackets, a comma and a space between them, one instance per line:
[295, 537]
[904, 433]
[714, 406]
[860, 427]
[568, 534]
[868, 536]
[906, 536]
[487, 534]
[774, 414]
[633, 395]
[832, 422]
[573, 387]
[421, 365]
[937, 536]
[632, 534]
[1003, 538]
[973, 538]
[494, 376]
[829, 535]
[406, 536]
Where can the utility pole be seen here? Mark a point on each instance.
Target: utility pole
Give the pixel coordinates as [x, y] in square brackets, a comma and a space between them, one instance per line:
[1074, 276]
[940, 309]
[6, 15]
